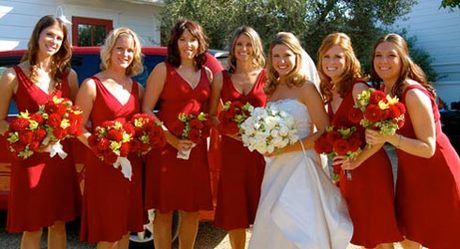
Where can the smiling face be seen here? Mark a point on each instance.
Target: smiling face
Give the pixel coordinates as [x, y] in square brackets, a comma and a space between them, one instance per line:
[387, 62]
[333, 62]
[187, 45]
[283, 59]
[122, 52]
[243, 49]
[50, 40]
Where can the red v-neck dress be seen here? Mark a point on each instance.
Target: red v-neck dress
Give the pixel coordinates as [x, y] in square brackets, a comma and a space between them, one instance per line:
[428, 189]
[242, 171]
[173, 183]
[370, 192]
[112, 205]
[43, 190]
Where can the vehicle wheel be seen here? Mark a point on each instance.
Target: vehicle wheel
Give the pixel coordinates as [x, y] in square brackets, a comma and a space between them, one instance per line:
[144, 239]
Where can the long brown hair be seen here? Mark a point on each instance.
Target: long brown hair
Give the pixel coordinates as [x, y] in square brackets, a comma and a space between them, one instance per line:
[294, 78]
[258, 59]
[196, 30]
[409, 70]
[60, 65]
[352, 66]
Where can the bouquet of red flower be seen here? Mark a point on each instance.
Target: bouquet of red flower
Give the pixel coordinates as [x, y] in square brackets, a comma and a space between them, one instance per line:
[232, 115]
[148, 133]
[194, 127]
[344, 141]
[379, 111]
[63, 120]
[112, 143]
[25, 134]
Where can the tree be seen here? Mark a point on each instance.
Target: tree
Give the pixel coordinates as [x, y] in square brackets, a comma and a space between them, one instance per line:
[450, 3]
[310, 20]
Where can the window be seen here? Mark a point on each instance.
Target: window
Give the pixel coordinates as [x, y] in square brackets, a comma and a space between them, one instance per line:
[89, 31]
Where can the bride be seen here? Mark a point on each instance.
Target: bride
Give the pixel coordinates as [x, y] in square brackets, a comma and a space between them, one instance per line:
[299, 207]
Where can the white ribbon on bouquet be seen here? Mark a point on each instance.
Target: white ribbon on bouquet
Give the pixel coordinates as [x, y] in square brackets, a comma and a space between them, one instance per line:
[126, 168]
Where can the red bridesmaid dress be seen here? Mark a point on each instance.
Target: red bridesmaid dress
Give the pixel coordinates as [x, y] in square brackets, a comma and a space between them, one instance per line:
[43, 190]
[370, 192]
[242, 171]
[112, 205]
[173, 183]
[428, 189]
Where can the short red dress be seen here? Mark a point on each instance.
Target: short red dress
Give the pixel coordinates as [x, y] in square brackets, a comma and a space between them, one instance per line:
[43, 190]
[370, 192]
[428, 189]
[112, 205]
[173, 183]
[242, 171]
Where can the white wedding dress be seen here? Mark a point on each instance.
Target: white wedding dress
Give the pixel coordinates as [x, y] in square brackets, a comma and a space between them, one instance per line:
[299, 207]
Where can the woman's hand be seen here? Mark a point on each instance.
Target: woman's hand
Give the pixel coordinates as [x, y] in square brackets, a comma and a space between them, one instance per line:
[182, 144]
[345, 162]
[374, 137]
[235, 136]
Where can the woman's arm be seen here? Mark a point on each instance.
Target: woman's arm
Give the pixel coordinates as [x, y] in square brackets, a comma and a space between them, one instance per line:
[85, 100]
[418, 105]
[216, 89]
[72, 78]
[8, 84]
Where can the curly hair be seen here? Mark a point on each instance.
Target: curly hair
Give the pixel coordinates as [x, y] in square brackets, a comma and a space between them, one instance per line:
[297, 76]
[136, 67]
[60, 65]
[352, 69]
[258, 57]
[196, 30]
[409, 69]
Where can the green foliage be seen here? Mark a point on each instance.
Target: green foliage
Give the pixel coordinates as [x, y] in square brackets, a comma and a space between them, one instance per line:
[450, 3]
[310, 20]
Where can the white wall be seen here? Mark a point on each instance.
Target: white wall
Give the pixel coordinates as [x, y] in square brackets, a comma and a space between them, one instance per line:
[18, 17]
[438, 32]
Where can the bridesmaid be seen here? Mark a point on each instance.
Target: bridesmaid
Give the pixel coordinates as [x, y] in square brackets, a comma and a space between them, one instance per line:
[181, 84]
[373, 216]
[112, 205]
[428, 182]
[44, 191]
[242, 170]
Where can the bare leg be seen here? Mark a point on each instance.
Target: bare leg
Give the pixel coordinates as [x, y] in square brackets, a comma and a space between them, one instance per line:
[409, 244]
[188, 229]
[162, 230]
[107, 245]
[123, 243]
[385, 246]
[237, 238]
[57, 237]
[31, 240]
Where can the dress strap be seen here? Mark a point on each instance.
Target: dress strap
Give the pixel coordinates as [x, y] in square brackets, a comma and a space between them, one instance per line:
[22, 76]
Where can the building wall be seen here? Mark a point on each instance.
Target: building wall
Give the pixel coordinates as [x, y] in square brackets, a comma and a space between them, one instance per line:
[18, 17]
[438, 32]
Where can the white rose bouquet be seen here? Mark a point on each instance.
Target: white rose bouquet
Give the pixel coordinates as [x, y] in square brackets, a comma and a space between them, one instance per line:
[268, 129]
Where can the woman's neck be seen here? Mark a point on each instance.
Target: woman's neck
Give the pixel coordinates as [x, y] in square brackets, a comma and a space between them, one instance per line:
[244, 67]
[116, 75]
[44, 63]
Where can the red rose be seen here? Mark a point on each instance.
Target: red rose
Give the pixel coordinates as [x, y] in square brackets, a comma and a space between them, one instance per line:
[355, 115]
[237, 104]
[19, 124]
[103, 144]
[355, 141]
[39, 134]
[17, 147]
[322, 145]
[341, 147]
[34, 146]
[177, 128]
[373, 113]
[332, 136]
[59, 133]
[26, 137]
[376, 96]
[37, 117]
[110, 157]
[194, 135]
[124, 149]
[129, 129]
[115, 135]
[196, 124]
[394, 111]
[54, 120]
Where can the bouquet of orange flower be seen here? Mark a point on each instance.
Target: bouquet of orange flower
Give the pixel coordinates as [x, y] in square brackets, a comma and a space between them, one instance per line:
[376, 110]
[63, 120]
[343, 141]
[111, 141]
[26, 133]
[194, 127]
[232, 115]
[148, 134]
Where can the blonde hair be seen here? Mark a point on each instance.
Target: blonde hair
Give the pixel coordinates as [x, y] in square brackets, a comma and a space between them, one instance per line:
[297, 76]
[136, 67]
[352, 69]
[258, 57]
